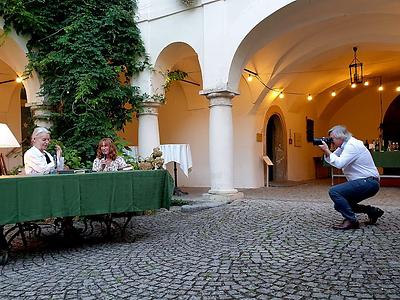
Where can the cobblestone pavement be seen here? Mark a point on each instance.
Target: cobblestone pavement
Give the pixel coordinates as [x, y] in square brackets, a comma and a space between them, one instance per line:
[274, 244]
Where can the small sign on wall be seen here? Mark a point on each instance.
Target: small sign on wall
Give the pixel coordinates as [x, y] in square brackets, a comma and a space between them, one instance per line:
[297, 139]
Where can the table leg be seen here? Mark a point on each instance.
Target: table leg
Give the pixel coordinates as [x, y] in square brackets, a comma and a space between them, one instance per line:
[177, 191]
[3, 247]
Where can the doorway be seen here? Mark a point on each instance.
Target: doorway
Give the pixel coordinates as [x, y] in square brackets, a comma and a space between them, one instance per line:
[391, 129]
[275, 149]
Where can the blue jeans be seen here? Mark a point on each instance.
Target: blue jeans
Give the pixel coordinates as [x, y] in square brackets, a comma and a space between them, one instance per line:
[346, 197]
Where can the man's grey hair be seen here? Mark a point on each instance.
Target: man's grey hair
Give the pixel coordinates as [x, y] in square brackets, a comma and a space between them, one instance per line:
[340, 131]
[37, 131]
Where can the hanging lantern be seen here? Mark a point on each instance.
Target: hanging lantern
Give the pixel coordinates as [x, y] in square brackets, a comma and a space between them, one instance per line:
[356, 69]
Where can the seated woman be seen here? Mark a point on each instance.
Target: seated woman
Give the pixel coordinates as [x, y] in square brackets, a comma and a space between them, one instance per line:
[107, 159]
[37, 160]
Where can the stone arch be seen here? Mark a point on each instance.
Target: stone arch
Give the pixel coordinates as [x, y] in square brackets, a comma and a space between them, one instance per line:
[183, 117]
[13, 61]
[167, 60]
[13, 52]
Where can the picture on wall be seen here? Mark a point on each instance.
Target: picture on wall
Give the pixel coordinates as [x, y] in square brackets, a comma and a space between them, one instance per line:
[297, 139]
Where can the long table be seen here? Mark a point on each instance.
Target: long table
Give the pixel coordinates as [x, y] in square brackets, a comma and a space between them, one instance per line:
[28, 198]
[387, 159]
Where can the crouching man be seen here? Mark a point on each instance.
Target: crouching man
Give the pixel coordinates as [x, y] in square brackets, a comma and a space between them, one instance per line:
[362, 178]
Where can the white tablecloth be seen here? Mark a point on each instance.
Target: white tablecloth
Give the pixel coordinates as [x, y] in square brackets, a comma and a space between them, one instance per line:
[179, 153]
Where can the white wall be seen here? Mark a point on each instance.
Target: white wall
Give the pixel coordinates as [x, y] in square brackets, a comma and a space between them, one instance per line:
[181, 123]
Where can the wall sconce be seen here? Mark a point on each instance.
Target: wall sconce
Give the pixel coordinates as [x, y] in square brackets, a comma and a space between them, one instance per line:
[380, 88]
[17, 80]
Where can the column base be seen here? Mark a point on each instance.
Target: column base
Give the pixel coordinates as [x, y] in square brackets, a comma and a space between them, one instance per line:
[224, 197]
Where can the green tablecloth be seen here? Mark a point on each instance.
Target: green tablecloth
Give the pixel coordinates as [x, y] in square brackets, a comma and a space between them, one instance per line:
[28, 198]
[388, 159]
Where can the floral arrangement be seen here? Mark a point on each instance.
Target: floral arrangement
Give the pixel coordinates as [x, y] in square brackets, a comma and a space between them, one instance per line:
[188, 2]
[153, 162]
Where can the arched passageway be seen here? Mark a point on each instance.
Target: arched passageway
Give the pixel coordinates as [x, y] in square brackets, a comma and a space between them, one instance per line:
[391, 129]
[184, 117]
[276, 148]
[391, 122]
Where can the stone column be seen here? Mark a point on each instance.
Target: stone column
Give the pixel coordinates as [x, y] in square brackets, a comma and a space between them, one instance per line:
[41, 114]
[148, 135]
[221, 145]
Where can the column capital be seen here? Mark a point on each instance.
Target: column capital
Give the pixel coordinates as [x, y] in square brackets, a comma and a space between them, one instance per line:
[149, 108]
[218, 92]
[219, 97]
[41, 114]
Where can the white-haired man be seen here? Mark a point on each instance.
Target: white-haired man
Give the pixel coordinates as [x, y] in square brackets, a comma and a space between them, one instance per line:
[362, 177]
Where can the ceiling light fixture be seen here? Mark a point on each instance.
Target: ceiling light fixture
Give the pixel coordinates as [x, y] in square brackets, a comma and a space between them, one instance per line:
[356, 69]
[281, 95]
[333, 94]
[309, 97]
[366, 83]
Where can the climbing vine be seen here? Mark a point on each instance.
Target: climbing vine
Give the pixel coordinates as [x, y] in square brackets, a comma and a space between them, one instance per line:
[85, 53]
[169, 78]
[173, 76]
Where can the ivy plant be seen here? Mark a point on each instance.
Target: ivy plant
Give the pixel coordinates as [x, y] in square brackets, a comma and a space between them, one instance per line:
[173, 76]
[85, 53]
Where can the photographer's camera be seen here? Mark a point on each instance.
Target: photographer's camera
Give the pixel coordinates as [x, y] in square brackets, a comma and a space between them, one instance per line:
[318, 141]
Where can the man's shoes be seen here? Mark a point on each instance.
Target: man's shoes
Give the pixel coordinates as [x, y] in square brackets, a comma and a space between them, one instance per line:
[374, 215]
[346, 225]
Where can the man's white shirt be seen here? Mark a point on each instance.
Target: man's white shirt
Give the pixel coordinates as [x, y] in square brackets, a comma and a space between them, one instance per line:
[354, 159]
